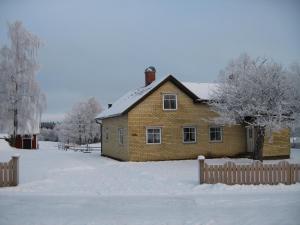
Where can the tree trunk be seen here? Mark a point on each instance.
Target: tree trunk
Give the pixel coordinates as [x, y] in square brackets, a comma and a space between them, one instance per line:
[15, 119]
[259, 143]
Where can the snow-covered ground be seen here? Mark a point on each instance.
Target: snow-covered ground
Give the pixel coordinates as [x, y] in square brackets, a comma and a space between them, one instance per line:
[66, 187]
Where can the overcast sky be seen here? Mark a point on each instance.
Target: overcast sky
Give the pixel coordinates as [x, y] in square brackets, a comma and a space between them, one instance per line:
[101, 48]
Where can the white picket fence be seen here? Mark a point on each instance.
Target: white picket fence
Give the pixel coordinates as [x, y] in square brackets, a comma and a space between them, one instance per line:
[9, 172]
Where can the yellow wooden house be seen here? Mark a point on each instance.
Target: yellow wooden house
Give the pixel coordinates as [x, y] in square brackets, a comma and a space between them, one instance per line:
[170, 120]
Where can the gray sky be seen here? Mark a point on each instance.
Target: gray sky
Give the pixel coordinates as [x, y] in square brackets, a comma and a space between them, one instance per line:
[101, 48]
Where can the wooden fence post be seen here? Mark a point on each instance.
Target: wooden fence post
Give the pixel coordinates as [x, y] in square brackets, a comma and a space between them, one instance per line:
[15, 160]
[201, 159]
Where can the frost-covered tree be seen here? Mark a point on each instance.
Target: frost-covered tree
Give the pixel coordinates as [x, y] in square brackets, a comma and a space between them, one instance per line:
[257, 92]
[22, 101]
[79, 125]
[294, 76]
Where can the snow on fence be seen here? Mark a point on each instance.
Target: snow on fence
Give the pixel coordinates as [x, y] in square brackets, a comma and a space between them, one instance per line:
[255, 173]
[82, 148]
[9, 172]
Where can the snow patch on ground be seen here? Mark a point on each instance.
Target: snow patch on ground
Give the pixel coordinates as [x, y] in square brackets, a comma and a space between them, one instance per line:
[85, 188]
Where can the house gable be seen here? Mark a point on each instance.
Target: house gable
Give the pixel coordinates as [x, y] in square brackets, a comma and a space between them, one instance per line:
[127, 102]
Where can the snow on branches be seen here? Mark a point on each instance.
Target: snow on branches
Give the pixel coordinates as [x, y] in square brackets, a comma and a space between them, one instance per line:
[257, 92]
[79, 125]
[22, 101]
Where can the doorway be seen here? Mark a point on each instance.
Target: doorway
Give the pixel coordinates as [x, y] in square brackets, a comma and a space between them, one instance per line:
[250, 138]
[27, 142]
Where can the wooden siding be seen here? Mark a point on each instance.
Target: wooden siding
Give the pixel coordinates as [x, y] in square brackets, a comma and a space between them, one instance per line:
[150, 113]
[278, 145]
[111, 146]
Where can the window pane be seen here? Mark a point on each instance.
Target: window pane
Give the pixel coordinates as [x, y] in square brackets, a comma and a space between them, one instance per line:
[212, 135]
[150, 138]
[166, 104]
[121, 134]
[218, 136]
[193, 136]
[157, 138]
[157, 131]
[173, 104]
[186, 136]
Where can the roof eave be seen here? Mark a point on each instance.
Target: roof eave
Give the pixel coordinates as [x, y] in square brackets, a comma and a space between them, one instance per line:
[110, 116]
[202, 101]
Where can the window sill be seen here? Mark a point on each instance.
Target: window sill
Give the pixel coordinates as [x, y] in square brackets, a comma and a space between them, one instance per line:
[216, 141]
[194, 142]
[170, 110]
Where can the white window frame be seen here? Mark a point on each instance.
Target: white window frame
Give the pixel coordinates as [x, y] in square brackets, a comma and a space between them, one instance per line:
[176, 99]
[121, 133]
[221, 132]
[189, 142]
[160, 136]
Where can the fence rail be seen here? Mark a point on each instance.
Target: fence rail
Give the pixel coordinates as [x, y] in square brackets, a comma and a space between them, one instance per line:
[255, 173]
[81, 148]
[9, 172]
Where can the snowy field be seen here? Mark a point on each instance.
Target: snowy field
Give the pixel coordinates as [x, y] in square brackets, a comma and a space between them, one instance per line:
[65, 187]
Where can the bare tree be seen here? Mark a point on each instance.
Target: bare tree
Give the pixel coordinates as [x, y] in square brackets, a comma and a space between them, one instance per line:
[23, 101]
[256, 92]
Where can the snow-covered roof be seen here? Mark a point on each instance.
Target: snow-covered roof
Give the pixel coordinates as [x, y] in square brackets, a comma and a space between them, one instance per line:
[128, 99]
[201, 91]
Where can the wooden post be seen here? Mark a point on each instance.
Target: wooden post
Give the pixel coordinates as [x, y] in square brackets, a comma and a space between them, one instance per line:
[201, 159]
[15, 160]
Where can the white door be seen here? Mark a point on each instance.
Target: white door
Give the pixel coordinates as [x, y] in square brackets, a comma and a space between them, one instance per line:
[250, 138]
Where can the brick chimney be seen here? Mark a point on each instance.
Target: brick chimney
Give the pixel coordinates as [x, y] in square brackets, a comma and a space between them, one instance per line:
[149, 75]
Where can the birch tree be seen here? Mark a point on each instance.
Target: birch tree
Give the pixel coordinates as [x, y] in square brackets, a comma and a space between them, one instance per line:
[21, 97]
[256, 92]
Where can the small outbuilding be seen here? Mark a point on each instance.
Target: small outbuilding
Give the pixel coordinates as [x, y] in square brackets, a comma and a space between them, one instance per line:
[26, 141]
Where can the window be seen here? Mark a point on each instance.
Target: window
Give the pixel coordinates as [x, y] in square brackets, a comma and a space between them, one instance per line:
[189, 135]
[170, 102]
[121, 136]
[216, 134]
[106, 134]
[153, 135]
